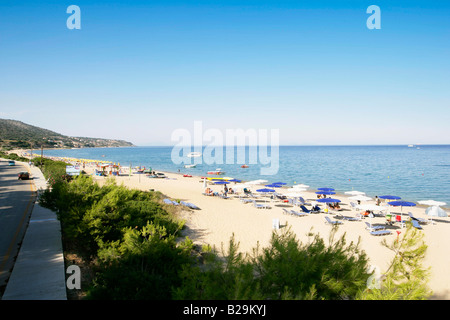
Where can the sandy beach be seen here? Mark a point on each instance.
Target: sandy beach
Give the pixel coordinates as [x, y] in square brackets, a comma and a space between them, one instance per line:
[219, 219]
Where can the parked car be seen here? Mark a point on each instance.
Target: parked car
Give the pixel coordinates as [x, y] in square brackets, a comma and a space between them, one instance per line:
[24, 175]
[11, 163]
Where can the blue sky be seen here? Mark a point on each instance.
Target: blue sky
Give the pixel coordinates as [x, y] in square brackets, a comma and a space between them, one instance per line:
[138, 70]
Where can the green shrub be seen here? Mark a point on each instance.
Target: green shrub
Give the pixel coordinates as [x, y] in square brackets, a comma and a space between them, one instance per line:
[146, 265]
[286, 269]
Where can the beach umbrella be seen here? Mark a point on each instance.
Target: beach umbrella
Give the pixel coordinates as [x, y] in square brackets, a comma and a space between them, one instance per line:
[435, 211]
[389, 197]
[325, 189]
[432, 203]
[265, 190]
[281, 183]
[295, 189]
[355, 193]
[370, 207]
[235, 180]
[293, 194]
[221, 182]
[241, 186]
[328, 200]
[300, 186]
[360, 198]
[261, 181]
[401, 204]
[325, 192]
[273, 185]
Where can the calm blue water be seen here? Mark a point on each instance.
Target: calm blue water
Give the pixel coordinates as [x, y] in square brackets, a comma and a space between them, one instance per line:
[411, 173]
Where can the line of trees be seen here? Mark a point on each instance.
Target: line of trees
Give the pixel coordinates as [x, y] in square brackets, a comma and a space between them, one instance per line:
[135, 245]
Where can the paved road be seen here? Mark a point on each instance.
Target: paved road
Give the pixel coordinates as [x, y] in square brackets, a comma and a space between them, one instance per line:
[16, 203]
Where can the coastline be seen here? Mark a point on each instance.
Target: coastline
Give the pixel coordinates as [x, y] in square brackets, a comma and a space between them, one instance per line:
[421, 181]
[219, 219]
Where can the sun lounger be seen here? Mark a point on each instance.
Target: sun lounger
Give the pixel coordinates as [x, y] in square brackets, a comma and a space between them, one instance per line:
[298, 214]
[420, 220]
[305, 209]
[168, 201]
[353, 205]
[302, 201]
[245, 200]
[285, 211]
[416, 224]
[189, 205]
[380, 232]
[351, 218]
[371, 227]
[329, 221]
[260, 206]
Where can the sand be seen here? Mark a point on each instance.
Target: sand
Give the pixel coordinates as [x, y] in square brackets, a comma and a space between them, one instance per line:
[219, 219]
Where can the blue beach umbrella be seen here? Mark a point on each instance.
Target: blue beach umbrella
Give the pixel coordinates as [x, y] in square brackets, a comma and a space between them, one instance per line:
[281, 183]
[389, 197]
[221, 182]
[325, 192]
[273, 185]
[234, 180]
[401, 204]
[265, 190]
[325, 189]
[328, 200]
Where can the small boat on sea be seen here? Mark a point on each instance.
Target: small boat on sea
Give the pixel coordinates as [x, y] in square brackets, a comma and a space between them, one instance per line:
[194, 155]
[218, 171]
[190, 165]
[244, 166]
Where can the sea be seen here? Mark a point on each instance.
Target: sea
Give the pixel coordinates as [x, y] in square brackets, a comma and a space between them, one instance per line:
[411, 172]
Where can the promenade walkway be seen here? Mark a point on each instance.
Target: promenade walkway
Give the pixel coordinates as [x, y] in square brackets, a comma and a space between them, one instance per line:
[39, 272]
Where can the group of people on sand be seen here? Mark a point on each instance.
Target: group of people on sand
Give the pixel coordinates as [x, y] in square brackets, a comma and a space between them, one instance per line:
[225, 192]
[334, 206]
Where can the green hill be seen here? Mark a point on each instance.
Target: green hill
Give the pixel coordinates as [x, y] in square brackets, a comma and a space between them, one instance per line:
[16, 134]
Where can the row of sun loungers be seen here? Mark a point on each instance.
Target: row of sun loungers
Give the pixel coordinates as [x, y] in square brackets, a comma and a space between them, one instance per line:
[184, 203]
[294, 213]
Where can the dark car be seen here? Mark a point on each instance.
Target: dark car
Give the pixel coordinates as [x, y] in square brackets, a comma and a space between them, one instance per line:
[24, 175]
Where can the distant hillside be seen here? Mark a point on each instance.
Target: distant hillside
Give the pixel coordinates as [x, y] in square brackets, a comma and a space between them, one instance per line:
[16, 134]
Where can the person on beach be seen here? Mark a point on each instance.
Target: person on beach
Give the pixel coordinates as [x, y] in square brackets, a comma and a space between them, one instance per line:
[378, 201]
[225, 190]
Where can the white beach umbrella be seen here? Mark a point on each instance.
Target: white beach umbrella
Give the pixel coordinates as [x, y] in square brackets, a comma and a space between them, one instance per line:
[435, 211]
[260, 181]
[293, 194]
[300, 186]
[360, 198]
[371, 207]
[241, 186]
[355, 193]
[295, 190]
[432, 203]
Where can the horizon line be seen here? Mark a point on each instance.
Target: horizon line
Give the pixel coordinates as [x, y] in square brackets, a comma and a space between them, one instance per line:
[301, 145]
